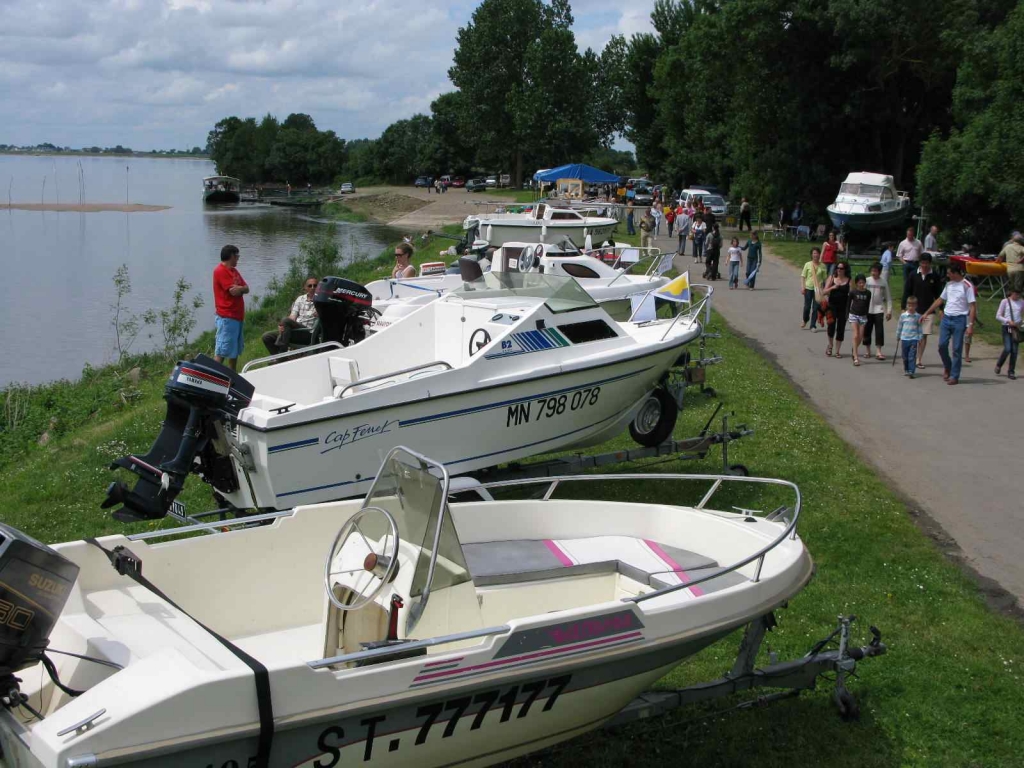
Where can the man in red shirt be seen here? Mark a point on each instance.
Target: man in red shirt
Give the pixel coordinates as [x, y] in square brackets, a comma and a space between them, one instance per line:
[228, 289]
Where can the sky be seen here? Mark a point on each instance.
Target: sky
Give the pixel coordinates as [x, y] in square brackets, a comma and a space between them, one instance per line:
[158, 74]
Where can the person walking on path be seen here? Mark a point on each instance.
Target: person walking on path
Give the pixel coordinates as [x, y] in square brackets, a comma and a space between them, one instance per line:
[657, 214]
[297, 328]
[745, 215]
[879, 310]
[735, 260]
[837, 291]
[909, 253]
[683, 224]
[931, 243]
[714, 253]
[647, 226]
[228, 290]
[700, 231]
[908, 334]
[670, 219]
[960, 310]
[754, 258]
[886, 261]
[812, 277]
[630, 219]
[860, 302]
[926, 286]
[830, 251]
[1013, 255]
[1009, 315]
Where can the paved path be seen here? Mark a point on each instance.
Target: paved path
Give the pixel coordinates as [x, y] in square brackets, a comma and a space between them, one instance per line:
[954, 452]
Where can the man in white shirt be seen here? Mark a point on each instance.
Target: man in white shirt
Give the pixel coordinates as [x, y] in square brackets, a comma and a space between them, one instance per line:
[297, 328]
[909, 252]
[958, 317]
[930, 243]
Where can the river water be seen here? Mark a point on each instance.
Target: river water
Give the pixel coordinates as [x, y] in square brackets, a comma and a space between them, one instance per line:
[57, 286]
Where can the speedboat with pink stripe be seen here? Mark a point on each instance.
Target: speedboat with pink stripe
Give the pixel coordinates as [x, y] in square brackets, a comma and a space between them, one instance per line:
[405, 629]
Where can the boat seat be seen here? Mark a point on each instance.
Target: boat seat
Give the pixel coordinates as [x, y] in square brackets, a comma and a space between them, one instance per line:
[495, 563]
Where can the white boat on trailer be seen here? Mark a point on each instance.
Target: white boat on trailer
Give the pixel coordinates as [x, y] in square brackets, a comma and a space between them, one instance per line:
[425, 634]
[510, 366]
[545, 223]
[607, 274]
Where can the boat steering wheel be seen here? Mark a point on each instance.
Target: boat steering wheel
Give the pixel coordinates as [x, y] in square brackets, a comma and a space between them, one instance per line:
[528, 259]
[479, 344]
[379, 565]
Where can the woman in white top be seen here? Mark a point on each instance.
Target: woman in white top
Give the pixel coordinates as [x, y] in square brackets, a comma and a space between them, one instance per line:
[700, 230]
[1009, 314]
[879, 310]
[735, 259]
[403, 267]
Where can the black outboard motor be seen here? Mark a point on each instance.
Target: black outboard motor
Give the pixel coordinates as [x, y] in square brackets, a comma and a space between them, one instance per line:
[344, 309]
[199, 394]
[35, 582]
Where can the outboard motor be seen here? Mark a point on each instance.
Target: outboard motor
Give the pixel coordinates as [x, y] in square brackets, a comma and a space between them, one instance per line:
[35, 582]
[200, 395]
[344, 309]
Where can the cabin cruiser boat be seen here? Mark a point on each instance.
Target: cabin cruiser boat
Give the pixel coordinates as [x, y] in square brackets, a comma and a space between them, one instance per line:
[221, 189]
[399, 630]
[602, 273]
[869, 202]
[511, 365]
[546, 223]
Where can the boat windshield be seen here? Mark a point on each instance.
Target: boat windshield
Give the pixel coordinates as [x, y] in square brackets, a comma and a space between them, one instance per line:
[862, 190]
[560, 294]
[414, 497]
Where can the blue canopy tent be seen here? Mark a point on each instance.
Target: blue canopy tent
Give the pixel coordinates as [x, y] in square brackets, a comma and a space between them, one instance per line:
[587, 173]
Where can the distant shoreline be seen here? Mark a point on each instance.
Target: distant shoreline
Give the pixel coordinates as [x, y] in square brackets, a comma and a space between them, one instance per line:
[77, 153]
[84, 207]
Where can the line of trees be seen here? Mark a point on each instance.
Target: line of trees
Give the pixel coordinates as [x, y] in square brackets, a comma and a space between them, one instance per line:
[774, 100]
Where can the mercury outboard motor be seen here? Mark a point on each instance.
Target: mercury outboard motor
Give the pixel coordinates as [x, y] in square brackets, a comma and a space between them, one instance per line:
[35, 582]
[344, 309]
[201, 394]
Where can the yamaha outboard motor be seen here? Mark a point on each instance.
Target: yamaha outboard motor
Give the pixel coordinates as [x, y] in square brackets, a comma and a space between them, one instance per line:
[343, 308]
[35, 582]
[200, 395]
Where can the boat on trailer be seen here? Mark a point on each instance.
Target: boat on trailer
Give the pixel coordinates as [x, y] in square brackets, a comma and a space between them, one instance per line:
[608, 274]
[222, 189]
[869, 202]
[509, 366]
[545, 223]
[399, 630]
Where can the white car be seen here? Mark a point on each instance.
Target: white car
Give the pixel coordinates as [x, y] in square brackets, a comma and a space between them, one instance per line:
[347, 188]
[491, 181]
[715, 202]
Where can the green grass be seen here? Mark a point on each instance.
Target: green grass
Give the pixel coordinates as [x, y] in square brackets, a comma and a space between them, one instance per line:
[948, 692]
[799, 253]
[341, 212]
[517, 195]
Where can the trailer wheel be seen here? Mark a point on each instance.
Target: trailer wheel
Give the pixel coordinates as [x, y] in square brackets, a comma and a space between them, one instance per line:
[849, 710]
[740, 470]
[655, 420]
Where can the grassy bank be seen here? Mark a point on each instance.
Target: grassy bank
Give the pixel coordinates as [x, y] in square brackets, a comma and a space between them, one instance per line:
[341, 212]
[948, 693]
[798, 254]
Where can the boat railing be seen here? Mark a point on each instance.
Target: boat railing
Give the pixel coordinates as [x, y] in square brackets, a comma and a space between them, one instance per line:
[693, 310]
[291, 353]
[383, 378]
[620, 252]
[788, 531]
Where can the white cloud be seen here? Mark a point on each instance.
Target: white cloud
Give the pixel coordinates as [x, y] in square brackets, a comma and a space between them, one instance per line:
[160, 73]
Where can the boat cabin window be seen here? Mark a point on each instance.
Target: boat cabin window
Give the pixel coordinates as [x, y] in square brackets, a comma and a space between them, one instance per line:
[560, 294]
[887, 194]
[415, 498]
[590, 330]
[579, 270]
[540, 211]
[862, 190]
[565, 216]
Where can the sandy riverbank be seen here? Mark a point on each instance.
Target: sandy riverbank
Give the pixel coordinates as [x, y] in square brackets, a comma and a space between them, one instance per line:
[84, 207]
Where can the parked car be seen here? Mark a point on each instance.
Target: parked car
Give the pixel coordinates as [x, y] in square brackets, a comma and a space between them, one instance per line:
[711, 200]
[476, 185]
[458, 181]
[491, 181]
[347, 188]
[643, 196]
[423, 181]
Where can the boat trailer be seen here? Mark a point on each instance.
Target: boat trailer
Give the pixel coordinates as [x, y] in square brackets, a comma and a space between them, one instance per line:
[791, 676]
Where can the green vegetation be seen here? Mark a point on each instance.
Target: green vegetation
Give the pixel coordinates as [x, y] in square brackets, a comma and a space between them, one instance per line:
[341, 212]
[799, 253]
[947, 693]
[516, 195]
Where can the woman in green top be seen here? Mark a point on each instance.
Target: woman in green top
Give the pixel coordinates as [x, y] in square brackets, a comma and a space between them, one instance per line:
[753, 249]
[812, 277]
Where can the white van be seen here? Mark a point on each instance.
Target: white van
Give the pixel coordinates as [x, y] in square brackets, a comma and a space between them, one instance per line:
[711, 200]
[446, 180]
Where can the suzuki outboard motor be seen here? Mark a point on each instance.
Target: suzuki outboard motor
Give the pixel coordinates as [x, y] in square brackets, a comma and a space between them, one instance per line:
[199, 394]
[343, 308]
[35, 582]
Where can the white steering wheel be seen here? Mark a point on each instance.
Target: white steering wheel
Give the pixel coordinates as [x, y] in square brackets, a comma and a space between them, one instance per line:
[379, 566]
[525, 260]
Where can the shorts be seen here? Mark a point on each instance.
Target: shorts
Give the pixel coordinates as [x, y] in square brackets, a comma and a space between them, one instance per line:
[229, 342]
[858, 319]
[926, 325]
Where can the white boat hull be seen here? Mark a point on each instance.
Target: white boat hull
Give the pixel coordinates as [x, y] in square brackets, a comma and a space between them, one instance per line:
[498, 234]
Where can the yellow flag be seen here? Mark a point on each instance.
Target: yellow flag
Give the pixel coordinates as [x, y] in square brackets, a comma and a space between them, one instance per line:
[677, 290]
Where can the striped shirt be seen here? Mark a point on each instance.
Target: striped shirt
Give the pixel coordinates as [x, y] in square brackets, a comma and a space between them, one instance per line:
[909, 327]
[304, 311]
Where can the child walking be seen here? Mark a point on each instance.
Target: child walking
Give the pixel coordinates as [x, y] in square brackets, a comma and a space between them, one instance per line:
[908, 334]
[860, 303]
[735, 260]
